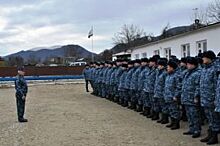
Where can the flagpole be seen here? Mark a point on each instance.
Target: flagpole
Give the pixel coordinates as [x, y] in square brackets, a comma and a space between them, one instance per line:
[92, 45]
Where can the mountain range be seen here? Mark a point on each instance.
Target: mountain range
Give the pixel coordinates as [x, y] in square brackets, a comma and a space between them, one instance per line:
[43, 53]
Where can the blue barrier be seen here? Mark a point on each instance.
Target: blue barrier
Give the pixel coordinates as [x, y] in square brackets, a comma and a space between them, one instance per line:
[37, 78]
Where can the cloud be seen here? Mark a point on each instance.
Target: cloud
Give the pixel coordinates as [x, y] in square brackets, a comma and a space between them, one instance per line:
[26, 24]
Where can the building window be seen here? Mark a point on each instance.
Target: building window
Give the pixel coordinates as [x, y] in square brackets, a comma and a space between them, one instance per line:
[201, 46]
[167, 52]
[185, 50]
[136, 56]
[144, 55]
[156, 52]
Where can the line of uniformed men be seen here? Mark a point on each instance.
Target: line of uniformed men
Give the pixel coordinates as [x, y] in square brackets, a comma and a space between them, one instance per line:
[186, 89]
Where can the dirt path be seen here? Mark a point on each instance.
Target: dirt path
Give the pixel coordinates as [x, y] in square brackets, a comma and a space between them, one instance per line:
[64, 115]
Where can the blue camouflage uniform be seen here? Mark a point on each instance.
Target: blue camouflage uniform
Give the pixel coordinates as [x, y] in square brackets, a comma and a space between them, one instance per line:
[104, 87]
[190, 91]
[122, 87]
[21, 91]
[117, 76]
[172, 90]
[159, 90]
[141, 79]
[149, 84]
[92, 77]
[113, 82]
[208, 84]
[108, 81]
[87, 77]
[128, 84]
[99, 75]
[134, 84]
[217, 100]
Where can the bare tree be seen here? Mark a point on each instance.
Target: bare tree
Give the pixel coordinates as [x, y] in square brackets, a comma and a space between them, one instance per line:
[128, 34]
[200, 14]
[213, 11]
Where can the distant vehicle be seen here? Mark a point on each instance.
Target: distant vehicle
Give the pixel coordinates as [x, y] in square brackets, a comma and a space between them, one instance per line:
[78, 64]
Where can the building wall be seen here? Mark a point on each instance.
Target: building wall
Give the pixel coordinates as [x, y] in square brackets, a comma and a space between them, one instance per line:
[210, 35]
[43, 71]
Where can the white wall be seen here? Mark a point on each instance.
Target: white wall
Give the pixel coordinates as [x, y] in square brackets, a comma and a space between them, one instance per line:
[212, 35]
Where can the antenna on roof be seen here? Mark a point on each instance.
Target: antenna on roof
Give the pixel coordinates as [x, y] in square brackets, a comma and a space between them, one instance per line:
[195, 13]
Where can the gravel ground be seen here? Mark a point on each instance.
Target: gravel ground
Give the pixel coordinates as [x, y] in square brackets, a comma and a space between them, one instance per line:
[64, 115]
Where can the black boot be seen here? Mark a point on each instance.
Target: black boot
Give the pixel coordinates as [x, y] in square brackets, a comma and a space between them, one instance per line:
[176, 125]
[165, 119]
[22, 120]
[125, 104]
[156, 116]
[206, 139]
[213, 139]
[146, 111]
[151, 114]
[171, 123]
[133, 106]
[139, 108]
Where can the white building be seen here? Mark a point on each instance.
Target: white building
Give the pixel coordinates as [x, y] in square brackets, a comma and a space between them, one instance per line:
[188, 43]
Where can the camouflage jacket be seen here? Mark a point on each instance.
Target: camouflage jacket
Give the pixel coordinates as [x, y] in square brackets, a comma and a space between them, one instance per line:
[128, 78]
[21, 86]
[208, 83]
[134, 78]
[160, 83]
[121, 86]
[142, 77]
[190, 86]
[172, 88]
[149, 81]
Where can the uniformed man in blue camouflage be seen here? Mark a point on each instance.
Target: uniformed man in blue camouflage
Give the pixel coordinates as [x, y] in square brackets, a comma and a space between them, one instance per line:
[117, 76]
[134, 84]
[128, 84]
[149, 84]
[158, 97]
[112, 82]
[217, 100]
[87, 76]
[21, 94]
[141, 78]
[190, 97]
[92, 68]
[208, 83]
[171, 94]
[108, 79]
[95, 78]
[121, 87]
[182, 69]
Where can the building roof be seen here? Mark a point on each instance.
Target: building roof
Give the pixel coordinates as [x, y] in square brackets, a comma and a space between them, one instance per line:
[177, 32]
[122, 53]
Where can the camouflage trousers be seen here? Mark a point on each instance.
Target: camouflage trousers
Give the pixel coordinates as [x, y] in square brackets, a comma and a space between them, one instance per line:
[134, 96]
[174, 111]
[147, 99]
[140, 99]
[158, 104]
[213, 118]
[116, 91]
[126, 95]
[20, 107]
[103, 90]
[192, 113]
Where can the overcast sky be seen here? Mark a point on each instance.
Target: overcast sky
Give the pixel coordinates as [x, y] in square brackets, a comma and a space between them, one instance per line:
[26, 24]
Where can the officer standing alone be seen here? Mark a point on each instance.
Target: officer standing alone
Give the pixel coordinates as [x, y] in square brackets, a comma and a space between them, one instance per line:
[21, 93]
